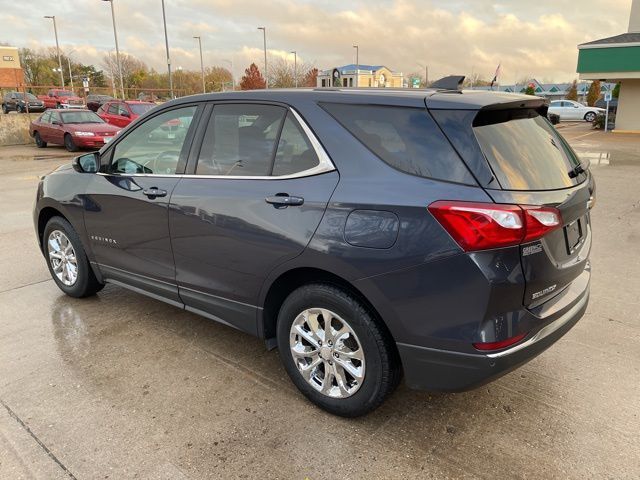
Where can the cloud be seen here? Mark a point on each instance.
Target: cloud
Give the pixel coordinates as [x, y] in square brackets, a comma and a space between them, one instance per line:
[450, 36]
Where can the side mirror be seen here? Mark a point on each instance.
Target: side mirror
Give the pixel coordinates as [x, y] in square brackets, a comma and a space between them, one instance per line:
[89, 163]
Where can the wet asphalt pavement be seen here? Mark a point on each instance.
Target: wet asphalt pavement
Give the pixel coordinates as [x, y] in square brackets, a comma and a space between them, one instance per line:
[122, 386]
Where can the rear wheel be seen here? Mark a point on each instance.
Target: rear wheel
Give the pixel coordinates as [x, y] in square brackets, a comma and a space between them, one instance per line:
[19, 109]
[590, 116]
[5, 110]
[69, 144]
[67, 260]
[335, 352]
[39, 142]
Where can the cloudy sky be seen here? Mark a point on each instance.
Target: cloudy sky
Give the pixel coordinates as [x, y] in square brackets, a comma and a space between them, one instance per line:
[536, 38]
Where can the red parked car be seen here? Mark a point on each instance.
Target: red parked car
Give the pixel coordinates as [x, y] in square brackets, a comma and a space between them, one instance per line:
[72, 128]
[122, 112]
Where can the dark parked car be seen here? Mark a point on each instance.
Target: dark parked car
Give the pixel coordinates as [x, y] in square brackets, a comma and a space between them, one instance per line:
[15, 101]
[94, 102]
[74, 129]
[365, 234]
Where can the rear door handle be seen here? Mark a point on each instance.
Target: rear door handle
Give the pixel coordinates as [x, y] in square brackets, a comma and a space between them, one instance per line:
[282, 200]
[154, 192]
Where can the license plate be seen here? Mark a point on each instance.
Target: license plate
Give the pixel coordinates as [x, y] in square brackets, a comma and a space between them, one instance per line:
[171, 136]
[573, 235]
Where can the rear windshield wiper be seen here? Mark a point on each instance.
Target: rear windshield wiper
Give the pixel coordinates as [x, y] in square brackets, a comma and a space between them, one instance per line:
[582, 167]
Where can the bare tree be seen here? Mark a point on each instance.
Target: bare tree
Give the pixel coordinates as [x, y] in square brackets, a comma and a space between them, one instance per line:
[282, 73]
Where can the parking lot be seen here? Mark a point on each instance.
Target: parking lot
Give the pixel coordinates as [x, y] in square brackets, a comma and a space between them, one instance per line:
[122, 386]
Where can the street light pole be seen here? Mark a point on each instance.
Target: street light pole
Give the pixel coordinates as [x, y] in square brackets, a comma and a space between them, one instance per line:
[357, 64]
[264, 38]
[69, 65]
[233, 80]
[115, 36]
[55, 31]
[204, 88]
[426, 75]
[166, 42]
[295, 67]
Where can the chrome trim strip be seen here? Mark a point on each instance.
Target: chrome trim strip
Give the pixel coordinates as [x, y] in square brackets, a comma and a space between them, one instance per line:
[543, 332]
[325, 164]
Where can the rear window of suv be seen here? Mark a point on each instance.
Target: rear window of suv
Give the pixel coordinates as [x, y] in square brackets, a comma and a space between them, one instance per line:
[524, 151]
[405, 138]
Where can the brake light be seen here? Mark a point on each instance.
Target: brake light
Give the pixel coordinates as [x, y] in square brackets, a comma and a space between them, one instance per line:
[481, 226]
[498, 345]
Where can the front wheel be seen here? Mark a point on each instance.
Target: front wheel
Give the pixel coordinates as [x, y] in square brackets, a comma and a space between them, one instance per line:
[590, 117]
[20, 109]
[67, 260]
[69, 144]
[5, 110]
[335, 351]
[40, 143]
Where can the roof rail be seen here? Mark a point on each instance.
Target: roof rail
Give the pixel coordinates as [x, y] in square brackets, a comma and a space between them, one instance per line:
[452, 82]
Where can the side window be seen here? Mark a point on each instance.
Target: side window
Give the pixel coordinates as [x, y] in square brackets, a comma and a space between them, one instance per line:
[240, 140]
[295, 153]
[113, 109]
[122, 109]
[46, 117]
[407, 139]
[154, 146]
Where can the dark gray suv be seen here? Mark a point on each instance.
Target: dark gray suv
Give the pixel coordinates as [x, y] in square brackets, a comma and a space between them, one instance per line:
[366, 234]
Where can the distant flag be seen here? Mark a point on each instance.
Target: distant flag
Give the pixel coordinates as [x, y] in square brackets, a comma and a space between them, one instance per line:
[495, 76]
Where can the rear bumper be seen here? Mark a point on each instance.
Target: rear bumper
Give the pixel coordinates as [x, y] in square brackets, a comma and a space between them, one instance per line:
[444, 370]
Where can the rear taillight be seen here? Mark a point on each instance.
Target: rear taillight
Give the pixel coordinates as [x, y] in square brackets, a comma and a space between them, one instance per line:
[499, 345]
[481, 226]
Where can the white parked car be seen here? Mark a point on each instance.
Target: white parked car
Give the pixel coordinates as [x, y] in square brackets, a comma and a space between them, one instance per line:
[570, 110]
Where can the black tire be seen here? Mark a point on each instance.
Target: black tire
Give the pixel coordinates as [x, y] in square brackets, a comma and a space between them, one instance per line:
[69, 144]
[19, 109]
[5, 110]
[590, 116]
[57, 105]
[382, 366]
[86, 283]
[39, 142]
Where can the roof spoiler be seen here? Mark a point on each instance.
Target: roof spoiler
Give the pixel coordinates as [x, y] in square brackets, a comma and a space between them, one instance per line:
[452, 82]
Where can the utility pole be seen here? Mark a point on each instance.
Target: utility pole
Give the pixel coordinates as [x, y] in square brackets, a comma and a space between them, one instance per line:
[357, 64]
[264, 38]
[295, 67]
[115, 36]
[204, 89]
[166, 42]
[55, 31]
[69, 65]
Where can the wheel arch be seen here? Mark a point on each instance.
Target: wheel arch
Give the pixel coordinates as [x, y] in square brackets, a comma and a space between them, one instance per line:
[46, 214]
[294, 278]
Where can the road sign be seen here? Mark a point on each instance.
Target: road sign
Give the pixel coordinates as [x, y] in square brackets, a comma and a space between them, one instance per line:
[607, 96]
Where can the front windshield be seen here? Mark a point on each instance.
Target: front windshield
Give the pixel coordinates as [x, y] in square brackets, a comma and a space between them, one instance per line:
[140, 108]
[80, 117]
[64, 93]
[30, 97]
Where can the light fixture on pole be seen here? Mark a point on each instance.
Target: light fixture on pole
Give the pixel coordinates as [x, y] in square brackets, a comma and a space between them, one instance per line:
[166, 42]
[264, 38]
[55, 31]
[204, 88]
[115, 36]
[295, 67]
[357, 64]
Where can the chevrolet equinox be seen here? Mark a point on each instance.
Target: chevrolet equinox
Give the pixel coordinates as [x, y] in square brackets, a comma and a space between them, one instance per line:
[439, 234]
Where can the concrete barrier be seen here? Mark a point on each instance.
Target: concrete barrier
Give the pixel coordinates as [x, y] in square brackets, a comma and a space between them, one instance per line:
[14, 128]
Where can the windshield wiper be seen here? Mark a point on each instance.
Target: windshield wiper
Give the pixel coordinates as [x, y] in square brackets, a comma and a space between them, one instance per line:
[578, 169]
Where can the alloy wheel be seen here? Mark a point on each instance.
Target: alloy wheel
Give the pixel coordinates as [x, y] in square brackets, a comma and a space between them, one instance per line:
[63, 258]
[327, 352]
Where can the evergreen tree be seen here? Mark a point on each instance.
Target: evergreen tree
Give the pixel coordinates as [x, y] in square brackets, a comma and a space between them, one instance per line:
[572, 94]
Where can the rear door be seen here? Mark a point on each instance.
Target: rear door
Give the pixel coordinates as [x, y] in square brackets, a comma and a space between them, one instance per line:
[535, 166]
[254, 195]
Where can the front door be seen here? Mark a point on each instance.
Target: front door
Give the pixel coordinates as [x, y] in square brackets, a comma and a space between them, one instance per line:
[126, 205]
[253, 201]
